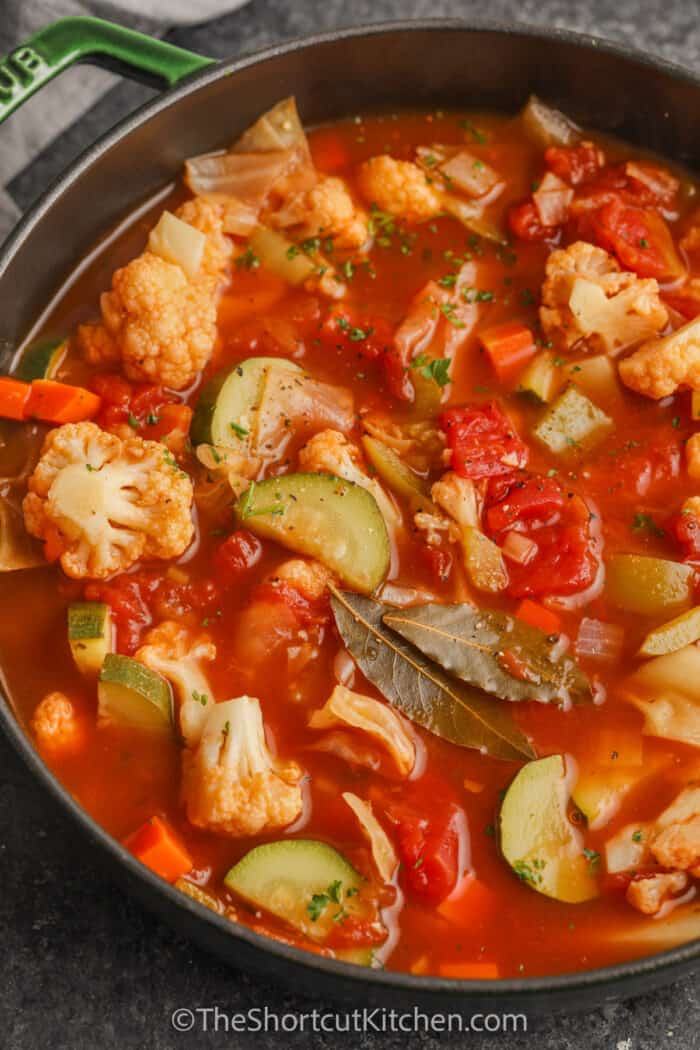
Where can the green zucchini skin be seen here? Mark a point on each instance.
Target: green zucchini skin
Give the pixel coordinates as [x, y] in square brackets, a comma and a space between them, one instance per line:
[89, 635]
[325, 517]
[130, 694]
[41, 360]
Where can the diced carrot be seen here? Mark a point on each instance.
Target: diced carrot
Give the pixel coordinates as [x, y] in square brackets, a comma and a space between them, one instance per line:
[156, 845]
[53, 543]
[470, 971]
[474, 786]
[618, 749]
[328, 151]
[55, 402]
[13, 398]
[471, 901]
[510, 347]
[421, 965]
[537, 616]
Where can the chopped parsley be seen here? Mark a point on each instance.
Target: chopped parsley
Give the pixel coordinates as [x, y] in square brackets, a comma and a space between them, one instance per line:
[529, 872]
[593, 858]
[248, 260]
[200, 698]
[152, 419]
[474, 295]
[332, 895]
[292, 251]
[448, 281]
[133, 421]
[448, 311]
[637, 835]
[89, 467]
[238, 430]
[475, 132]
[437, 369]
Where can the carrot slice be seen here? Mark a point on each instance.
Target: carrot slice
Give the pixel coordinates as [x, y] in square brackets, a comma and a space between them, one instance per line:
[510, 347]
[157, 846]
[13, 398]
[470, 971]
[537, 616]
[55, 402]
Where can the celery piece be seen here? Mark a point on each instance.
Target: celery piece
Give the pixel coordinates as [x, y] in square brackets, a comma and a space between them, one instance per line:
[597, 378]
[281, 256]
[397, 476]
[682, 630]
[542, 379]
[573, 422]
[648, 586]
[484, 561]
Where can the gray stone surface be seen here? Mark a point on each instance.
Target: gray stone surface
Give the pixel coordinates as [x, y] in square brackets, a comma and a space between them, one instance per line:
[85, 968]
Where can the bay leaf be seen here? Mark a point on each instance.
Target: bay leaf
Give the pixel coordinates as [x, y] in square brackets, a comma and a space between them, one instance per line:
[419, 689]
[494, 651]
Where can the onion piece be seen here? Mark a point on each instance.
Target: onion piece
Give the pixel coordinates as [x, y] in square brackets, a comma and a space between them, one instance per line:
[178, 242]
[17, 548]
[548, 126]
[599, 641]
[470, 174]
[552, 199]
[247, 176]
[383, 852]
[519, 548]
[660, 182]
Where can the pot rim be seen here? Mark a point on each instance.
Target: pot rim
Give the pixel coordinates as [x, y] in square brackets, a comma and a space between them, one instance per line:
[522, 989]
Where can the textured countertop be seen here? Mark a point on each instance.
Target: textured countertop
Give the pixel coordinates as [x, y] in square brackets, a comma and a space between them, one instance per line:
[85, 968]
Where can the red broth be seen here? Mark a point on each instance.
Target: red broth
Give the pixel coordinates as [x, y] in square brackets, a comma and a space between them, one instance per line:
[636, 478]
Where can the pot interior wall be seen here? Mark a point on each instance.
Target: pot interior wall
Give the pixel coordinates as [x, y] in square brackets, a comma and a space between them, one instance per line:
[437, 65]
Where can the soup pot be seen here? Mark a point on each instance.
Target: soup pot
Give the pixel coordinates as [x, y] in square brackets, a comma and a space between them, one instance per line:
[648, 102]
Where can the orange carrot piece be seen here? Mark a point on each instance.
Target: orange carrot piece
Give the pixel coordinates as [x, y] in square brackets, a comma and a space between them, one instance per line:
[510, 347]
[156, 845]
[537, 616]
[465, 971]
[55, 402]
[13, 398]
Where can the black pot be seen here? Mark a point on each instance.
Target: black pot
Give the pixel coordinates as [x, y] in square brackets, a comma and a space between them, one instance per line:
[648, 102]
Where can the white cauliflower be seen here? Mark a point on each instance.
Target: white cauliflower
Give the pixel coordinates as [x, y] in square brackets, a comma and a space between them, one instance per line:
[325, 210]
[675, 842]
[159, 321]
[310, 578]
[400, 188]
[176, 653]
[231, 784]
[330, 452]
[111, 501]
[378, 720]
[649, 893]
[589, 303]
[658, 368]
[56, 725]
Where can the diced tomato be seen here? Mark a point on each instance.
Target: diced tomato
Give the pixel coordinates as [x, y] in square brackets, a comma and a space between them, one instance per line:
[650, 184]
[685, 528]
[687, 305]
[236, 556]
[369, 339]
[306, 610]
[147, 408]
[575, 164]
[639, 238]
[429, 849]
[557, 522]
[127, 598]
[534, 500]
[483, 441]
[524, 223]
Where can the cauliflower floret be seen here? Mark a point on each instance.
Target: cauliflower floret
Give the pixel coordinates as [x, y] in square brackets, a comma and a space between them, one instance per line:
[400, 188]
[310, 578]
[661, 366]
[174, 652]
[326, 210]
[56, 725]
[676, 841]
[159, 321]
[111, 501]
[587, 300]
[330, 452]
[650, 893]
[457, 497]
[231, 783]
[344, 707]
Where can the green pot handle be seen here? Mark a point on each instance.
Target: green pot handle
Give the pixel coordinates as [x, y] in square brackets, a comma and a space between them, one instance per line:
[70, 40]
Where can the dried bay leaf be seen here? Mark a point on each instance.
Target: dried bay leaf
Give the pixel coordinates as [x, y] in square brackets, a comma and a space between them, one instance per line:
[493, 651]
[419, 689]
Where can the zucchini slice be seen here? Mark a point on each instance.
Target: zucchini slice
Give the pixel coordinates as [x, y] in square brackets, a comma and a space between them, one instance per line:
[400, 479]
[335, 521]
[130, 694]
[676, 634]
[89, 635]
[542, 846]
[303, 882]
[648, 586]
[227, 406]
[41, 360]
